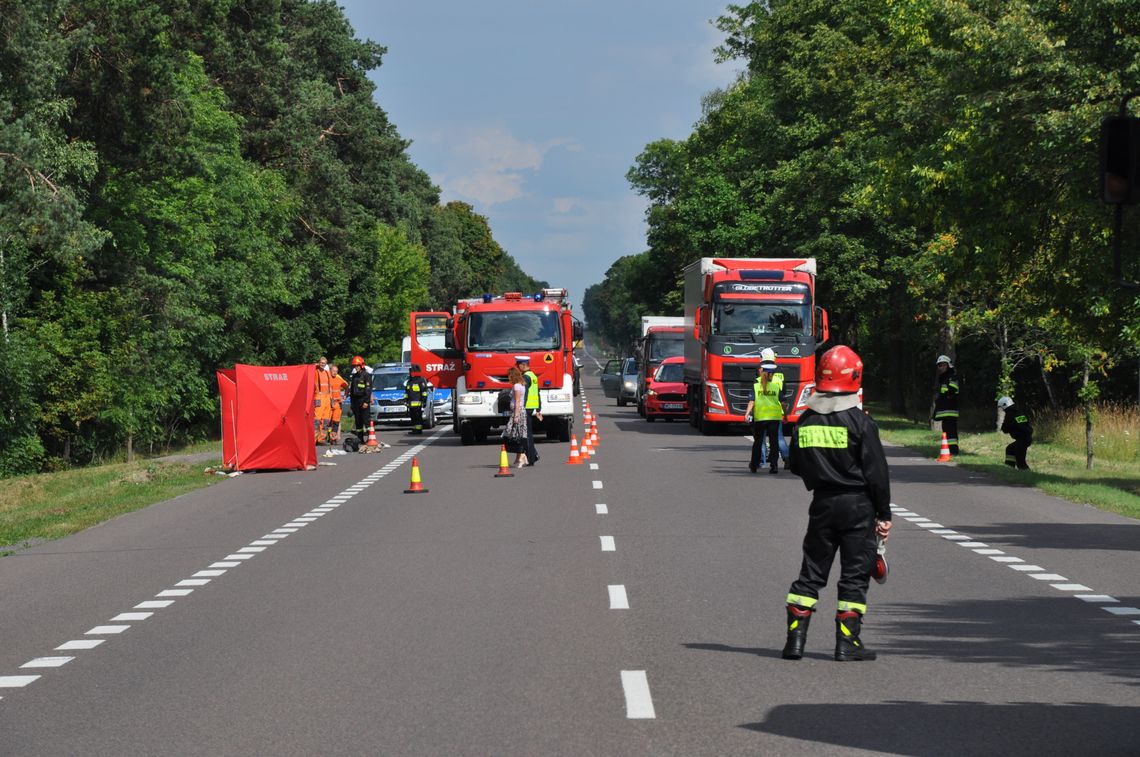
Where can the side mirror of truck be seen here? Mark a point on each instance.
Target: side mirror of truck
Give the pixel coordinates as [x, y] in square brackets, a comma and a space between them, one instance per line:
[576, 331]
[449, 337]
[821, 326]
[697, 324]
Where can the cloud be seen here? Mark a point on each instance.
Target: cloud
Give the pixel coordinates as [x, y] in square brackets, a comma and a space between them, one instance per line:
[489, 166]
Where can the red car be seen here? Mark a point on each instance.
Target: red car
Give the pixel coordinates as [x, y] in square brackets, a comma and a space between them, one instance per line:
[665, 392]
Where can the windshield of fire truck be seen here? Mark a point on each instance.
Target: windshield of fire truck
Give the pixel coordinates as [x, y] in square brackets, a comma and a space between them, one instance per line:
[524, 331]
[755, 318]
[665, 345]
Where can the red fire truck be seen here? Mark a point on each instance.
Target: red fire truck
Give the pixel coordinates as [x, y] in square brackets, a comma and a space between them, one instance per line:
[736, 307]
[482, 340]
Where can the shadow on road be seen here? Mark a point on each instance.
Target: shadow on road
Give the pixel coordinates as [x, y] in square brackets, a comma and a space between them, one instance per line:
[1108, 536]
[957, 728]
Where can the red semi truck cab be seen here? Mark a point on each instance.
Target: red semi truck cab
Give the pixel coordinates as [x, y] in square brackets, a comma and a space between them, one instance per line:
[484, 338]
[736, 307]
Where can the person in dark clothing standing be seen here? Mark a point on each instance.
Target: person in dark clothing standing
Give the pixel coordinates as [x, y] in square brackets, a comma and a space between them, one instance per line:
[946, 403]
[533, 406]
[360, 397]
[415, 393]
[837, 452]
[1017, 425]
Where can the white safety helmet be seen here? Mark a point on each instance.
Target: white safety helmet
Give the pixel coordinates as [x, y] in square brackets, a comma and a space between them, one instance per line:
[768, 355]
[1004, 402]
[944, 359]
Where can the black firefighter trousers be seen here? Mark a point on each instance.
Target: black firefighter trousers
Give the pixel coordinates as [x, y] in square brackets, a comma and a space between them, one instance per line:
[843, 522]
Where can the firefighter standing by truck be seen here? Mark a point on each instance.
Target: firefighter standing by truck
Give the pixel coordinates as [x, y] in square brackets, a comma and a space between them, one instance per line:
[946, 403]
[415, 394]
[837, 452]
[360, 396]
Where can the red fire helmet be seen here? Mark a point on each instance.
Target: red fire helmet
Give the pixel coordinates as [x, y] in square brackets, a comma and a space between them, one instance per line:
[840, 370]
[358, 361]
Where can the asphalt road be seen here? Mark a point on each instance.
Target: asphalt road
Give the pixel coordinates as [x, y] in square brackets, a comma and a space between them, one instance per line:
[329, 613]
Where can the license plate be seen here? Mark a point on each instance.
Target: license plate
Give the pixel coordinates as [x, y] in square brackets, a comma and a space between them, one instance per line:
[393, 409]
[672, 406]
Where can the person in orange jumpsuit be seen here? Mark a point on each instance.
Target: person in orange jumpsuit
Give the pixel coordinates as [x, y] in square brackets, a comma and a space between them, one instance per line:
[322, 401]
[337, 384]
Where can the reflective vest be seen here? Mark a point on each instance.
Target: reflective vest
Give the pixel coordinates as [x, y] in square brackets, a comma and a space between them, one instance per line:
[766, 402]
[946, 404]
[532, 400]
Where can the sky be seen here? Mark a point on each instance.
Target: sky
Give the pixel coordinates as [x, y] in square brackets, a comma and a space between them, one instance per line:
[533, 111]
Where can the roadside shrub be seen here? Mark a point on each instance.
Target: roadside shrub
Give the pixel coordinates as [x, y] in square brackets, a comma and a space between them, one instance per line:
[21, 455]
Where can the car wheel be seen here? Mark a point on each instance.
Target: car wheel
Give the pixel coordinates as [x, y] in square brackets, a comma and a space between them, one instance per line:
[650, 418]
[621, 401]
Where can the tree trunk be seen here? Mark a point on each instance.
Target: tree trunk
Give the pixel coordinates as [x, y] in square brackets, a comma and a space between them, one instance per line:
[1048, 385]
[1088, 419]
[130, 447]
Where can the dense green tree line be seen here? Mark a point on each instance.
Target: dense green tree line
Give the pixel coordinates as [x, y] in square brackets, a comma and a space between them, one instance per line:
[186, 184]
[939, 159]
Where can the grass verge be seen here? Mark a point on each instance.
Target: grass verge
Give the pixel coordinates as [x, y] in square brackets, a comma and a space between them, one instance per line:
[49, 506]
[1057, 468]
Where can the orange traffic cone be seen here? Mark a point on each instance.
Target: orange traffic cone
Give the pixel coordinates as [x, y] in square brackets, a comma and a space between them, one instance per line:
[504, 466]
[372, 435]
[575, 458]
[944, 453]
[594, 429]
[417, 486]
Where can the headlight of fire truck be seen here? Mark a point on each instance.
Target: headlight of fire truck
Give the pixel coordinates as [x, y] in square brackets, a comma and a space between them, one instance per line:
[805, 392]
[558, 397]
[715, 397]
[470, 399]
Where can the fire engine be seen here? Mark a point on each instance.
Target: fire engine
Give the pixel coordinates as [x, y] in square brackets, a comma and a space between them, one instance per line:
[483, 337]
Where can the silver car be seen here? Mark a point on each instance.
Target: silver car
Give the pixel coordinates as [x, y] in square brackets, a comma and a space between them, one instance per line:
[619, 380]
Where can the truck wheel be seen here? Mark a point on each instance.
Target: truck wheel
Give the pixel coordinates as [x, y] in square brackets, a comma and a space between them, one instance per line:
[564, 431]
[481, 434]
[466, 433]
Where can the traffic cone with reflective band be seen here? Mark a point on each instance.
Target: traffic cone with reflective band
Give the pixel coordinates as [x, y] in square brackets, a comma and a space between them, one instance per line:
[585, 448]
[504, 466]
[575, 458]
[372, 435]
[944, 453]
[417, 485]
[594, 429]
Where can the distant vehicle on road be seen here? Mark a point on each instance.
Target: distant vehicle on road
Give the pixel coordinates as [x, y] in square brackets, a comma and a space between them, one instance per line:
[665, 393]
[619, 380]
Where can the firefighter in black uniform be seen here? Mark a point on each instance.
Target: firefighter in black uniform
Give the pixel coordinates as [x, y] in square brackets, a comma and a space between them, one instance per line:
[360, 397]
[1016, 424]
[946, 403]
[837, 452]
[415, 393]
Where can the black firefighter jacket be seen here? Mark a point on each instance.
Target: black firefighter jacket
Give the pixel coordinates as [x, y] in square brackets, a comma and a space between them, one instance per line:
[836, 449]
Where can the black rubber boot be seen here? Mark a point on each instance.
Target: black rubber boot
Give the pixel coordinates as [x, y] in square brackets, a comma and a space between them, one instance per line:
[848, 646]
[798, 620]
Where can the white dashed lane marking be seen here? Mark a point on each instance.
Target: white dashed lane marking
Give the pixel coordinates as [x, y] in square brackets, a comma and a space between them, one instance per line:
[1036, 572]
[638, 702]
[608, 544]
[619, 600]
[203, 577]
[597, 484]
[601, 509]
